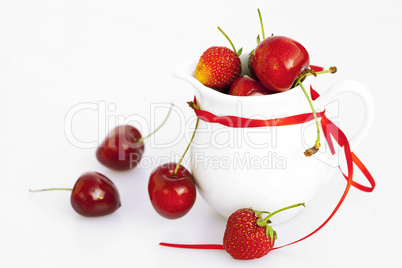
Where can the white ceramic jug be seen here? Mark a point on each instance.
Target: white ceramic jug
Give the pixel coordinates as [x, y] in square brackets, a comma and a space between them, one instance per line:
[263, 168]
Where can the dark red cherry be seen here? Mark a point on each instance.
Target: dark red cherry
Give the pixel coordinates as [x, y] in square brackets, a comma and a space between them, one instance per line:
[278, 61]
[122, 149]
[172, 196]
[250, 65]
[247, 86]
[94, 195]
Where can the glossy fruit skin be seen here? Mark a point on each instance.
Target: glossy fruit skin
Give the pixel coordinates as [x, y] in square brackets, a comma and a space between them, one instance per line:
[218, 67]
[250, 66]
[94, 195]
[278, 61]
[247, 86]
[243, 238]
[120, 149]
[171, 197]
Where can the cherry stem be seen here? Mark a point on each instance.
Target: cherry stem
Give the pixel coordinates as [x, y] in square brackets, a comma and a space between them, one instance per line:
[230, 41]
[317, 144]
[51, 189]
[153, 132]
[331, 70]
[188, 146]
[262, 25]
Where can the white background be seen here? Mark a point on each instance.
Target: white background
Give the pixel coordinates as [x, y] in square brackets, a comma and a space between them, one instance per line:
[118, 57]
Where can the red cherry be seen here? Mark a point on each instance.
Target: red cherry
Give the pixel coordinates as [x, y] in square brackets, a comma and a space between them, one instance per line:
[247, 86]
[121, 149]
[172, 196]
[278, 61]
[250, 65]
[94, 195]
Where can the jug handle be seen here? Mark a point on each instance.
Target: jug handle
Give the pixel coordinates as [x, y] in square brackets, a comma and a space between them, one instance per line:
[359, 89]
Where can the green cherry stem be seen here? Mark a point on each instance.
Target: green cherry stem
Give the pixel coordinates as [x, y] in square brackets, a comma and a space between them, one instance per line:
[317, 145]
[188, 146]
[308, 72]
[51, 189]
[153, 132]
[331, 70]
[262, 25]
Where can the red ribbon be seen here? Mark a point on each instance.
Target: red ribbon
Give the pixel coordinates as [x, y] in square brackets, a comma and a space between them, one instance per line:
[329, 129]
[314, 94]
[316, 68]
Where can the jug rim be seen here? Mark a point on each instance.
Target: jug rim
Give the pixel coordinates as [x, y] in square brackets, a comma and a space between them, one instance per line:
[186, 70]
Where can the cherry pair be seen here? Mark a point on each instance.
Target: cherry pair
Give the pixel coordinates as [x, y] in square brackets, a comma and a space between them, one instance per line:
[96, 195]
[171, 186]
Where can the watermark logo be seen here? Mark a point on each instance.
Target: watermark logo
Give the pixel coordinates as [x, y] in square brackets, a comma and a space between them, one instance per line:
[105, 117]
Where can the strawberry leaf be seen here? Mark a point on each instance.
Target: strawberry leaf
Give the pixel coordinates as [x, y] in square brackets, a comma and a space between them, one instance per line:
[239, 52]
[270, 232]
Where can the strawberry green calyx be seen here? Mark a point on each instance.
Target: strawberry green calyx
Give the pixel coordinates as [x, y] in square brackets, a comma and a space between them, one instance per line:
[231, 43]
[271, 233]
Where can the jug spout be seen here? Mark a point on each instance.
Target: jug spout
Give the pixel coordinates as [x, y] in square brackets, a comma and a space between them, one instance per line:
[203, 94]
[185, 71]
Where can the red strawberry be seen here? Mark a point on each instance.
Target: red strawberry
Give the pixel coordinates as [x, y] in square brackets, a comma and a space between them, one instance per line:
[247, 235]
[244, 238]
[218, 66]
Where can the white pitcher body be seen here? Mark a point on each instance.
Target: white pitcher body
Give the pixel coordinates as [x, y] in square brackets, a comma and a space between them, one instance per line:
[264, 168]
